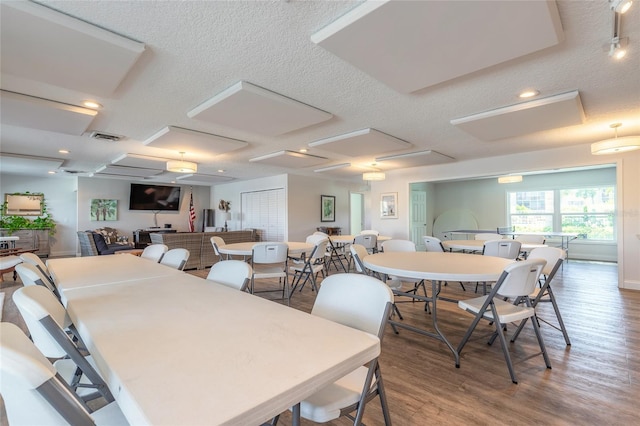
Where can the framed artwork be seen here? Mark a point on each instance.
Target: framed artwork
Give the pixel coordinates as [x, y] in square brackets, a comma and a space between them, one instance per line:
[327, 208]
[389, 205]
[102, 209]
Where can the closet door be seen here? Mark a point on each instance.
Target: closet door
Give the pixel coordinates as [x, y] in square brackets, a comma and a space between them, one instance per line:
[265, 211]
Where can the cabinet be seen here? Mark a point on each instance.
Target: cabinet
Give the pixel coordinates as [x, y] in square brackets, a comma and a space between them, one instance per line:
[31, 239]
[142, 238]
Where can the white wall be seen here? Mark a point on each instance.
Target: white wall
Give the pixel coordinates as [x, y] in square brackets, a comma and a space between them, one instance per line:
[60, 197]
[628, 178]
[303, 201]
[130, 220]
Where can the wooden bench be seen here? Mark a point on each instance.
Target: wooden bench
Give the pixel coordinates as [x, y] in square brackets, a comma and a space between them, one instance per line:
[9, 258]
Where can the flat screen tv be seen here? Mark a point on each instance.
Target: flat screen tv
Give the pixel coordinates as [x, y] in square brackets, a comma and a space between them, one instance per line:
[154, 197]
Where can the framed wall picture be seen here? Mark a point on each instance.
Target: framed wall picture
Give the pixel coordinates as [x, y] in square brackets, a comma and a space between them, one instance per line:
[102, 209]
[389, 205]
[327, 208]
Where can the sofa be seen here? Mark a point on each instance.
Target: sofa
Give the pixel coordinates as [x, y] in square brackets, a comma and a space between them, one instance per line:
[94, 243]
[201, 253]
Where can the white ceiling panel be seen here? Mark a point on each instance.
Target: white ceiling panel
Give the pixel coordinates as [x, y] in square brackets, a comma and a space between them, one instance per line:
[413, 159]
[78, 55]
[28, 111]
[253, 109]
[203, 179]
[410, 45]
[192, 142]
[28, 165]
[289, 159]
[142, 161]
[344, 170]
[547, 113]
[361, 142]
[127, 171]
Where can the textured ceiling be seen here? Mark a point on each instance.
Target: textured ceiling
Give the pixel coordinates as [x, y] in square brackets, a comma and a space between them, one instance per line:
[196, 50]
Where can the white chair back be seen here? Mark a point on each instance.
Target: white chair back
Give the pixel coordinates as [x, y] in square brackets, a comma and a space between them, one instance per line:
[33, 393]
[508, 249]
[550, 255]
[488, 237]
[368, 241]
[175, 258]
[398, 245]
[521, 278]
[37, 262]
[355, 300]
[31, 275]
[217, 242]
[532, 239]
[433, 244]
[265, 253]
[232, 273]
[359, 252]
[370, 232]
[35, 303]
[154, 252]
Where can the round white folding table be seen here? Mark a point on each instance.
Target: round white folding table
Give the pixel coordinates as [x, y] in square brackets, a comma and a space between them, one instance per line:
[436, 267]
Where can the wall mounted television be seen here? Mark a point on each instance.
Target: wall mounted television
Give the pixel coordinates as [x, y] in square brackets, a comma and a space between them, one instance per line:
[154, 197]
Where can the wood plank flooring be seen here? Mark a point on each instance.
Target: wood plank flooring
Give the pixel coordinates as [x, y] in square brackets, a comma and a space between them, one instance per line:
[596, 380]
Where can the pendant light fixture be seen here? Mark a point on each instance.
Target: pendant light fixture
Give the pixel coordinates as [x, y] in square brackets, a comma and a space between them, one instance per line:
[615, 144]
[181, 166]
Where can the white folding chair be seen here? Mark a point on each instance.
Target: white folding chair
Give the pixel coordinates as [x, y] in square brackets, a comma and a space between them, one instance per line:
[34, 394]
[554, 257]
[312, 265]
[31, 275]
[517, 281]
[507, 249]
[39, 264]
[433, 244]
[370, 232]
[269, 260]
[364, 303]
[175, 258]
[232, 273]
[154, 252]
[217, 242]
[46, 319]
[369, 241]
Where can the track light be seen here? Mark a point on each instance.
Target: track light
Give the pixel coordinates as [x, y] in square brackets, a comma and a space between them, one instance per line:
[621, 6]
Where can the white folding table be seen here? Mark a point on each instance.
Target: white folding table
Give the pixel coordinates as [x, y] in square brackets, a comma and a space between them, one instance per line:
[78, 272]
[436, 267]
[178, 349]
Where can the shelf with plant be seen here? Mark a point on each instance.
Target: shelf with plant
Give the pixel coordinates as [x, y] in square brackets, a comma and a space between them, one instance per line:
[14, 222]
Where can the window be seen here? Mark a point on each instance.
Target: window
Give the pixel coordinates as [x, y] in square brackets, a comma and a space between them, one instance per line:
[589, 212]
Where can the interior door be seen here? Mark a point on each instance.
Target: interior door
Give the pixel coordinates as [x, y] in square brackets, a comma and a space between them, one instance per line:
[357, 214]
[418, 218]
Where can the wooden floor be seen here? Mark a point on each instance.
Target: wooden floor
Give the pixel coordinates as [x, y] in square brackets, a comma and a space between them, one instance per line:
[593, 381]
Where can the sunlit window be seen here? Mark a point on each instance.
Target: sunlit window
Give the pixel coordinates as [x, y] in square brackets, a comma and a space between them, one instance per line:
[588, 212]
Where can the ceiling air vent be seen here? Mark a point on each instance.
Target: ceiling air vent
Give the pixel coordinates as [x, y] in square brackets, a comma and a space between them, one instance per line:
[105, 136]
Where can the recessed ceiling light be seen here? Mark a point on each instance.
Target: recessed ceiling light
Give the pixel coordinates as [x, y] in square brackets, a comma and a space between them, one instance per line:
[528, 94]
[303, 150]
[221, 170]
[52, 172]
[63, 151]
[91, 104]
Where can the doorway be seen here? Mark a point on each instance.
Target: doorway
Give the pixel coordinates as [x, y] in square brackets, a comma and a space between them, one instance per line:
[356, 219]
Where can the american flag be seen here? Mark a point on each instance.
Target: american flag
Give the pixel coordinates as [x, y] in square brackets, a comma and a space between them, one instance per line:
[192, 213]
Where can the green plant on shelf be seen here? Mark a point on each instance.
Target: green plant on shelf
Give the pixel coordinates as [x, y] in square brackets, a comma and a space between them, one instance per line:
[13, 222]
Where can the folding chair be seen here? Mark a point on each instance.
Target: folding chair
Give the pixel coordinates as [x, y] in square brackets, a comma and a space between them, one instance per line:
[554, 257]
[269, 260]
[312, 265]
[518, 280]
[232, 273]
[34, 393]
